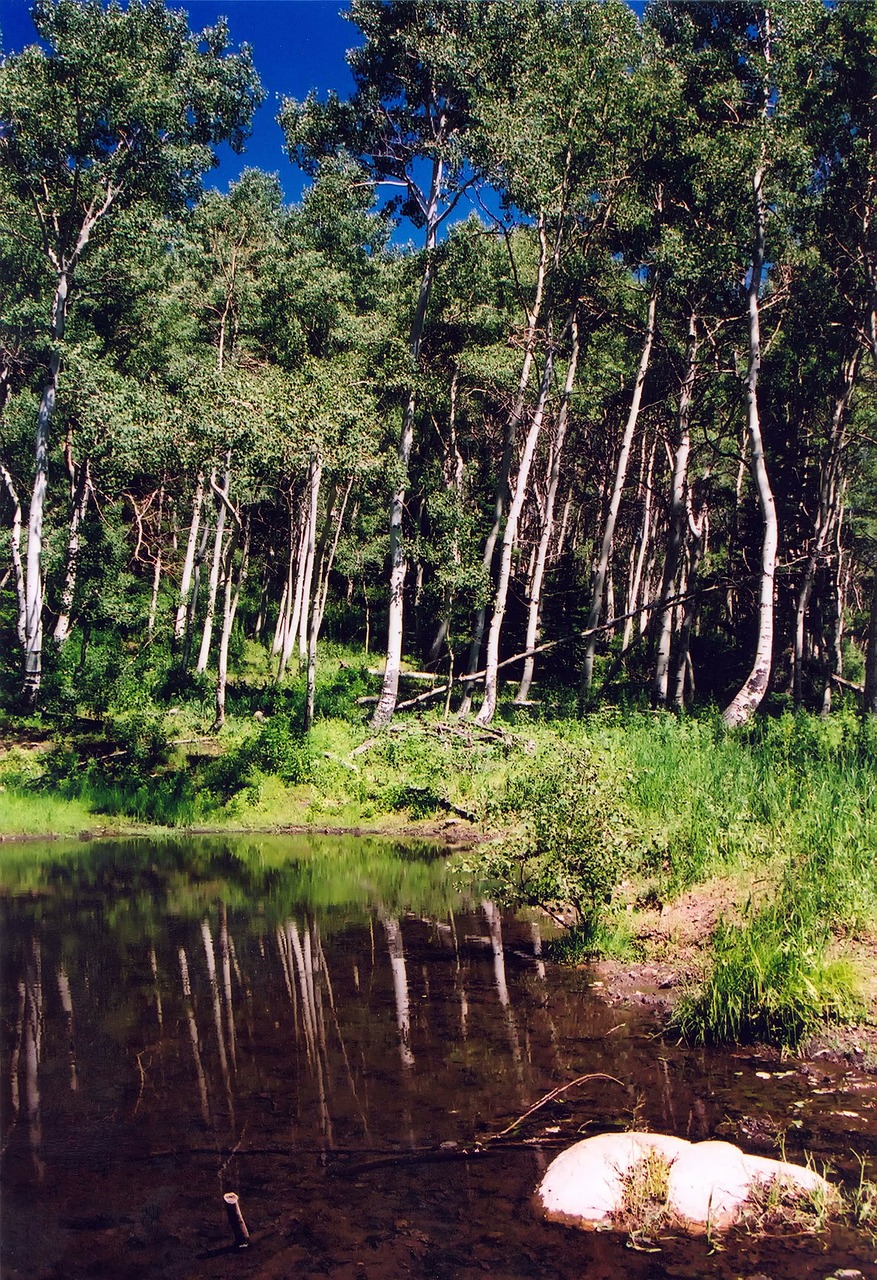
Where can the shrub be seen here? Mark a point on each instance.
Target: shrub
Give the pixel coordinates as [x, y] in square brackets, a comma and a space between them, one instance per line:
[573, 848]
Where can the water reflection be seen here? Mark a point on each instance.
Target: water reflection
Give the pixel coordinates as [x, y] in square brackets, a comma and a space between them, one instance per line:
[283, 1020]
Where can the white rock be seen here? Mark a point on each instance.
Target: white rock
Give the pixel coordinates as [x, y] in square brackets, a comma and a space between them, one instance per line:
[709, 1182]
[584, 1185]
[708, 1185]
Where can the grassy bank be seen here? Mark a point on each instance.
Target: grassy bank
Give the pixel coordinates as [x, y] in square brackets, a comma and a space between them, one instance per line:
[601, 820]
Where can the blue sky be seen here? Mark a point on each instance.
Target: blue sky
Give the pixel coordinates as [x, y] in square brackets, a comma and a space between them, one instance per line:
[298, 45]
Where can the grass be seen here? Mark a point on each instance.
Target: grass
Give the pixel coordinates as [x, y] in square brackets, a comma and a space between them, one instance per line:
[615, 805]
[771, 979]
[644, 1210]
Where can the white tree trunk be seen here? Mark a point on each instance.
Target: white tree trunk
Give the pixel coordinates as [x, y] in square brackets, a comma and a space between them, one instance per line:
[488, 706]
[34, 585]
[871, 655]
[645, 539]
[383, 713]
[750, 695]
[231, 600]
[215, 566]
[15, 552]
[678, 520]
[81, 491]
[189, 560]
[602, 566]
[826, 515]
[315, 475]
[535, 600]
[502, 487]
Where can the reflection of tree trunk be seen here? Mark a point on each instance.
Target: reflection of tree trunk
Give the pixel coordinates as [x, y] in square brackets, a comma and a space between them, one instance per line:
[67, 1006]
[15, 1056]
[494, 923]
[314, 1032]
[33, 1040]
[153, 964]
[225, 958]
[210, 957]
[193, 1036]
[393, 930]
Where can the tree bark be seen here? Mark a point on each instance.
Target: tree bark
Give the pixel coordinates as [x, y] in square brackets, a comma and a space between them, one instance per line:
[749, 697]
[231, 600]
[644, 542]
[398, 561]
[678, 519]
[488, 706]
[216, 564]
[617, 490]
[15, 553]
[871, 655]
[156, 572]
[189, 561]
[535, 600]
[830, 484]
[81, 490]
[502, 486]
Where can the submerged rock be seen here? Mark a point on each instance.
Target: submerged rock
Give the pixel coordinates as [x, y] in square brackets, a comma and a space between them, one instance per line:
[708, 1183]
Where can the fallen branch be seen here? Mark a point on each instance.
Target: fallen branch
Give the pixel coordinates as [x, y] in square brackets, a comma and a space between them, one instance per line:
[550, 1097]
[476, 676]
[848, 684]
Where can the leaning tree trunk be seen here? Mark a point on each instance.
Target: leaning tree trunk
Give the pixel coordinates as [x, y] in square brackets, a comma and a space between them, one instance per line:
[383, 713]
[213, 587]
[535, 600]
[642, 550]
[491, 666]
[615, 501]
[189, 561]
[678, 520]
[749, 696]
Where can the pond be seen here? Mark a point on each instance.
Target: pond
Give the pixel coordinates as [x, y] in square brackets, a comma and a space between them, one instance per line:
[327, 1027]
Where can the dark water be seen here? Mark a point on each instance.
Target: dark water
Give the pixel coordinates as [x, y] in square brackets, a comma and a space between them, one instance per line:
[325, 1027]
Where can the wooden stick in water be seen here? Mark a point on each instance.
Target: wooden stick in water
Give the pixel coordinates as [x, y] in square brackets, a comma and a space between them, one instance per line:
[236, 1220]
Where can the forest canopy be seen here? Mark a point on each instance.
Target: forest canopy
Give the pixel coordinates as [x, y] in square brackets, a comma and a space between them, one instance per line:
[606, 425]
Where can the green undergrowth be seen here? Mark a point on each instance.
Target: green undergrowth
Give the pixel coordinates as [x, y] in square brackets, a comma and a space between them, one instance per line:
[580, 815]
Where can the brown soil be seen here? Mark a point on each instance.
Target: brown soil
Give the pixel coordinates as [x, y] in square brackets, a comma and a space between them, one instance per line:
[673, 940]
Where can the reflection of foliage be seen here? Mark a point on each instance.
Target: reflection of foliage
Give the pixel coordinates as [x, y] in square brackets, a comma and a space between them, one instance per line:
[270, 877]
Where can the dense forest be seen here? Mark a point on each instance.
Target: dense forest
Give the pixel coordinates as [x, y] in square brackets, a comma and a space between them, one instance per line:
[606, 424]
